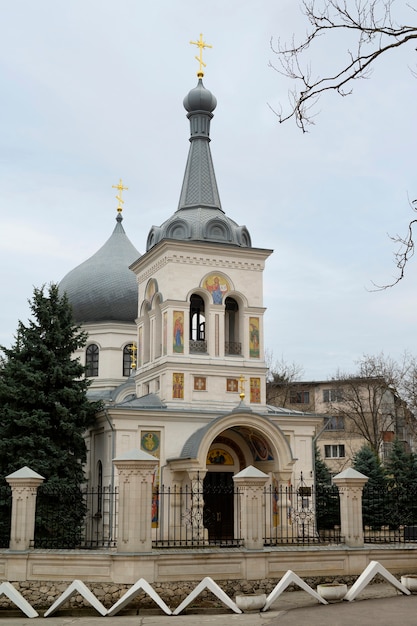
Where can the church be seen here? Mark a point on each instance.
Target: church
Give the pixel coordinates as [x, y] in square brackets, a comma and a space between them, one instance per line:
[176, 343]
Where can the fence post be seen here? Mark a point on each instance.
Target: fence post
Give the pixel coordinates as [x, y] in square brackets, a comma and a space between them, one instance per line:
[350, 484]
[250, 483]
[136, 472]
[24, 483]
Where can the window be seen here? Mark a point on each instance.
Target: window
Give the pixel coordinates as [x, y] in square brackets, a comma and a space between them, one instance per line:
[197, 319]
[336, 451]
[337, 422]
[91, 360]
[127, 359]
[300, 397]
[332, 395]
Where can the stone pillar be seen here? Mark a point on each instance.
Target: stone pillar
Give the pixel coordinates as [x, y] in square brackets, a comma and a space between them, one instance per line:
[24, 484]
[136, 469]
[250, 483]
[350, 484]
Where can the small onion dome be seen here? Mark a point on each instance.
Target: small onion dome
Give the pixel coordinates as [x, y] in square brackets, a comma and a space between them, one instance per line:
[103, 288]
[200, 99]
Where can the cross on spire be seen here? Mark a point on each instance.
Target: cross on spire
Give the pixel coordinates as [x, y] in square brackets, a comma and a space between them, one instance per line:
[201, 45]
[119, 196]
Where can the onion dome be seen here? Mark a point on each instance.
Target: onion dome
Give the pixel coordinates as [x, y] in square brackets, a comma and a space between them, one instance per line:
[103, 288]
[200, 216]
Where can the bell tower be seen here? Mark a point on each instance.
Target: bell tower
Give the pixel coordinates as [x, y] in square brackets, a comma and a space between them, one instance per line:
[200, 323]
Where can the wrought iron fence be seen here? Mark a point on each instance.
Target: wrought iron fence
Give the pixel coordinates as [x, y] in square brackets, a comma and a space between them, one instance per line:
[200, 514]
[390, 515]
[301, 515]
[207, 512]
[5, 515]
[74, 518]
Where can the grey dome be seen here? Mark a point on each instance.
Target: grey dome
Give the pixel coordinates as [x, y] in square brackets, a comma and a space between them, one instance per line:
[200, 99]
[200, 216]
[103, 288]
[200, 224]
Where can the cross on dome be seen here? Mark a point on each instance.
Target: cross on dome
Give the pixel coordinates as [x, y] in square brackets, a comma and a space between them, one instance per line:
[201, 44]
[119, 196]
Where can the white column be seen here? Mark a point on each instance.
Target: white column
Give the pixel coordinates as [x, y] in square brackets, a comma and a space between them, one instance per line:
[350, 484]
[136, 469]
[250, 483]
[24, 484]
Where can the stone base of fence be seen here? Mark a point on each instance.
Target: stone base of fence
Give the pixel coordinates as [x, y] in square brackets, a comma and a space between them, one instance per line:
[41, 576]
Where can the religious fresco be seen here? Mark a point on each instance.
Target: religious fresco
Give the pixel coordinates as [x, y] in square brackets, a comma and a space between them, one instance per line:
[178, 332]
[259, 446]
[219, 457]
[255, 390]
[151, 289]
[178, 386]
[232, 384]
[200, 383]
[150, 442]
[164, 333]
[254, 337]
[218, 286]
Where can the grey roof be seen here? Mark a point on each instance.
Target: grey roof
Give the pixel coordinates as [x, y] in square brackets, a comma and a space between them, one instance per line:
[191, 446]
[149, 401]
[103, 288]
[200, 216]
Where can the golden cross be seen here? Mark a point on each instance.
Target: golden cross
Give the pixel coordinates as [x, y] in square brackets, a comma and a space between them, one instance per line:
[119, 196]
[133, 351]
[201, 44]
[242, 381]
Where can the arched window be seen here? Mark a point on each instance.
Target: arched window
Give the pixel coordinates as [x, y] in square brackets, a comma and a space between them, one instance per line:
[127, 359]
[197, 325]
[91, 360]
[232, 343]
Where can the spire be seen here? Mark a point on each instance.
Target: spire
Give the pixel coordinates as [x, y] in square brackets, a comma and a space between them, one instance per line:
[199, 187]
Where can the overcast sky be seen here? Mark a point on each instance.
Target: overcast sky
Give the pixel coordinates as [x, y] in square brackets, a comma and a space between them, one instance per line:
[92, 92]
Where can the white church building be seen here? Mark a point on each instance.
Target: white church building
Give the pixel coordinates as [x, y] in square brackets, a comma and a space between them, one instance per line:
[176, 344]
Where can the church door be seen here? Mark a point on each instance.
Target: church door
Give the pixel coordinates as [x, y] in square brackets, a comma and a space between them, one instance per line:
[218, 505]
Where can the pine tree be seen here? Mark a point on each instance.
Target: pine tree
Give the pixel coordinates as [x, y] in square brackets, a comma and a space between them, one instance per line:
[373, 502]
[44, 412]
[327, 497]
[401, 471]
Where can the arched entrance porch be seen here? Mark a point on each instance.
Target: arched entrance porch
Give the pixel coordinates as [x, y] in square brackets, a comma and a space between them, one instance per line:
[213, 455]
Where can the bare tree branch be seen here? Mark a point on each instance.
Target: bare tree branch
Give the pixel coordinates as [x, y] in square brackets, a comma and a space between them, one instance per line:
[375, 31]
[403, 254]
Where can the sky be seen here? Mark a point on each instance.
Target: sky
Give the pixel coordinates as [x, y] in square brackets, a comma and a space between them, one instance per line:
[92, 92]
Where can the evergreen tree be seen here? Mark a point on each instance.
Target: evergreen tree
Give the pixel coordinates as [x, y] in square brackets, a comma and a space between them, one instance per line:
[327, 495]
[322, 472]
[373, 502]
[44, 413]
[402, 471]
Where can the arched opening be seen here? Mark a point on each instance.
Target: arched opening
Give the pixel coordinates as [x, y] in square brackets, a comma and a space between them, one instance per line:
[127, 359]
[146, 347]
[158, 328]
[231, 320]
[198, 341]
[92, 360]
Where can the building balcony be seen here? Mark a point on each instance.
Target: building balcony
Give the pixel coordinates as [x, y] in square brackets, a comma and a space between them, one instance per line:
[233, 347]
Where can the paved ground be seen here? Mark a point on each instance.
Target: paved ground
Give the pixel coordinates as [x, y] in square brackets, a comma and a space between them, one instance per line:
[378, 604]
